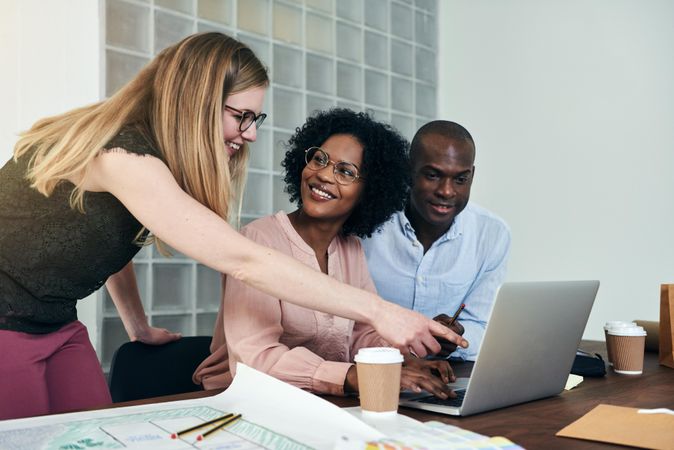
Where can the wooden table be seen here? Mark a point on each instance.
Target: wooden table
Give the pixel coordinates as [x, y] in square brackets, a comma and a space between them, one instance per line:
[533, 425]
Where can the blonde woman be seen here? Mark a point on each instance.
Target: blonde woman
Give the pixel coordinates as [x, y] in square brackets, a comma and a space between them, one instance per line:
[160, 160]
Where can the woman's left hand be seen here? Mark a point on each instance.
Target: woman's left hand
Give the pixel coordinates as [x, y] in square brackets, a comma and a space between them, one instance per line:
[155, 336]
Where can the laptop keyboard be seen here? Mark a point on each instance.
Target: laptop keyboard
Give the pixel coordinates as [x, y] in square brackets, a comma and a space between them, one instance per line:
[433, 400]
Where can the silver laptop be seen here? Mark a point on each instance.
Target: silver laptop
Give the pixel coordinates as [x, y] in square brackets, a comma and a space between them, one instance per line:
[527, 351]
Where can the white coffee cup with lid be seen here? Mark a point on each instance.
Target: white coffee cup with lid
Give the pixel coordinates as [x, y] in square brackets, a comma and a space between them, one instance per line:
[379, 371]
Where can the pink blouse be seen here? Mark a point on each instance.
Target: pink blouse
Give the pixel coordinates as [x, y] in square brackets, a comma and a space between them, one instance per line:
[309, 349]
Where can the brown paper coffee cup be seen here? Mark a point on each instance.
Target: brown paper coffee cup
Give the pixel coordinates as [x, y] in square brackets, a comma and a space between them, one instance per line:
[610, 345]
[628, 350]
[379, 379]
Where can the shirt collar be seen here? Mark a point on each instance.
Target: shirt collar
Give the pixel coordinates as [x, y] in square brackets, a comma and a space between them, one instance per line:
[454, 231]
[405, 225]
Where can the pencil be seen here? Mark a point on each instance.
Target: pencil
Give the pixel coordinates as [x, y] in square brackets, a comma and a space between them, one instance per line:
[456, 315]
[201, 425]
[218, 427]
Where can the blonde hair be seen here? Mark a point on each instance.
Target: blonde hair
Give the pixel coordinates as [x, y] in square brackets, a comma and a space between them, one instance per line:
[177, 101]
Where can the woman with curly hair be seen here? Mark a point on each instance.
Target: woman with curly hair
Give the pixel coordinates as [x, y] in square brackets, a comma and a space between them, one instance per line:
[348, 175]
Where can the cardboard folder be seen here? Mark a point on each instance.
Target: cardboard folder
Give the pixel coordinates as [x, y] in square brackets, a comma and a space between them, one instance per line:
[625, 426]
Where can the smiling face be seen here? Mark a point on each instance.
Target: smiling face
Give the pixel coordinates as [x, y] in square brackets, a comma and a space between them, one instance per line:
[442, 171]
[249, 100]
[322, 197]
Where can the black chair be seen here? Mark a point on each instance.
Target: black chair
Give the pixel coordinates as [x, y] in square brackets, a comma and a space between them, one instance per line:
[142, 371]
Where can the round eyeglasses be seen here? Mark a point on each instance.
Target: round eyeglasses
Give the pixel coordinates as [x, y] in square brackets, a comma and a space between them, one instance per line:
[247, 118]
[344, 171]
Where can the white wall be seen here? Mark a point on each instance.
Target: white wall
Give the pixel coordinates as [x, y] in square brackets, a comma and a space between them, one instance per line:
[50, 54]
[571, 105]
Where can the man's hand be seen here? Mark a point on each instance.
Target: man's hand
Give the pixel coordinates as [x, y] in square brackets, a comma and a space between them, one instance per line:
[447, 347]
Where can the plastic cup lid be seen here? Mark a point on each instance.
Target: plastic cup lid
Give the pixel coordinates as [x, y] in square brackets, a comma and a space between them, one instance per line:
[618, 323]
[627, 331]
[379, 355]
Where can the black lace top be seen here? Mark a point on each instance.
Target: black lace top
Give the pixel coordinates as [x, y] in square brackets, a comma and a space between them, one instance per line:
[52, 255]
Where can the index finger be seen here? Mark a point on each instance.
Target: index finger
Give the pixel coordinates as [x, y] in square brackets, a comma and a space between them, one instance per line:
[441, 369]
[439, 330]
[450, 372]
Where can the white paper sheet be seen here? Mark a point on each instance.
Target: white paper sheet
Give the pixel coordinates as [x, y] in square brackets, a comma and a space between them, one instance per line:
[572, 381]
[275, 415]
[288, 410]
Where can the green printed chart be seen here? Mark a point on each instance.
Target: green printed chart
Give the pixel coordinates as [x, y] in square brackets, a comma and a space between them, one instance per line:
[151, 429]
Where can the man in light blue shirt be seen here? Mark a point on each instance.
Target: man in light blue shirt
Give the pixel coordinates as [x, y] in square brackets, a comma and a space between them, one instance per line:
[442, 250]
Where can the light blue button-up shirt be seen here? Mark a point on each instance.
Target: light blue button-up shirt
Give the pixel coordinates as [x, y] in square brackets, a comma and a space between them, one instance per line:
[465, 265]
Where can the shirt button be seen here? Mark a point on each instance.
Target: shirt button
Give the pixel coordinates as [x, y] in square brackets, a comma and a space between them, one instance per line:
[420, 279]
[415, 243]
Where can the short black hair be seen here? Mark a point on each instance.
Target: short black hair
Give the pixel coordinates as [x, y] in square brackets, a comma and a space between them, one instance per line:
[385, 166]
[444, 128]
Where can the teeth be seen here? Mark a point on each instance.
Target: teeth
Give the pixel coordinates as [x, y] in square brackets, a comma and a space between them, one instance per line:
[233, 145]
[443, 207]
[321, 193]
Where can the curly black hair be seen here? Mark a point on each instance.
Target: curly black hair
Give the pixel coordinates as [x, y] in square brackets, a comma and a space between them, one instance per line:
[385, 166]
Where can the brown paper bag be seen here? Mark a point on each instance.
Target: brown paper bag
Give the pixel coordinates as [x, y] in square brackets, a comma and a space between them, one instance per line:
[666, 325]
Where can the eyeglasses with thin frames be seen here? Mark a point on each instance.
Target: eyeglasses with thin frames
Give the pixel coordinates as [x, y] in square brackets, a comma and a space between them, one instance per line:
[247, 118]
[344, 171]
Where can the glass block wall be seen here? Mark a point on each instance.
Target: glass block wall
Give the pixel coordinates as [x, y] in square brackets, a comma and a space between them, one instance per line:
[374, 55]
